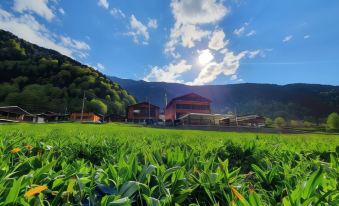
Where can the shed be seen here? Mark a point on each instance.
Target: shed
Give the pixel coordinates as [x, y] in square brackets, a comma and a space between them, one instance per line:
[14, 114]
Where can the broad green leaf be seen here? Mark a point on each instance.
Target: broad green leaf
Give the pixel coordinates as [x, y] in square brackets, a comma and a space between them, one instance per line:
[14, 191]
[312, 183]
[121, 202]
[254, 199]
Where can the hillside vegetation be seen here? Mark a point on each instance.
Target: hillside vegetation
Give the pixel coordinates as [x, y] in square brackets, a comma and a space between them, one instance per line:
[41, 80]
[309, 102]
[117, 164]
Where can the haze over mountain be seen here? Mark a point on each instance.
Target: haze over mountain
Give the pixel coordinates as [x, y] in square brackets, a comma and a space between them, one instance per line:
[294, 101]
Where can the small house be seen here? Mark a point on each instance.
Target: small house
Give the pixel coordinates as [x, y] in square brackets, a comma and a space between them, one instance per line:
[143, 112]
[115, 118]
[86, 117]
[51, 117]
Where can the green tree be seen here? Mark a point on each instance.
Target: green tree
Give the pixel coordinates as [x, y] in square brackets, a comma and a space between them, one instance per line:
[333, 121]
[41, 80]
[308, 124]
[279, 122]
[96, 105]
[6, 89]
[295, 123]
[268, 121]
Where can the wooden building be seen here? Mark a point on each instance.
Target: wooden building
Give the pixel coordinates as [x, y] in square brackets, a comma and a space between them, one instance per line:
[51, 117]
[143, 112]
[87, 117]
[251, 121]
[189, 103]
[244, 121]
[200, 119]
[115, 118]
[14, 114]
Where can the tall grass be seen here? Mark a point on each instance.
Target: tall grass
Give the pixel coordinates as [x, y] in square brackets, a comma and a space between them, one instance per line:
[116, 164]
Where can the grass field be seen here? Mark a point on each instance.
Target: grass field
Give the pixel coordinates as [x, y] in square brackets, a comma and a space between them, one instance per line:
[116, 164]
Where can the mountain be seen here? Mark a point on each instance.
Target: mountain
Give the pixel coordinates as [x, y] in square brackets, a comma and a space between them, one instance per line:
[40, 80]
[294, 101]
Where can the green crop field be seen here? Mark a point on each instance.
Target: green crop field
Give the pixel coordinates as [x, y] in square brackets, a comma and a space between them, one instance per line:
[116, 164]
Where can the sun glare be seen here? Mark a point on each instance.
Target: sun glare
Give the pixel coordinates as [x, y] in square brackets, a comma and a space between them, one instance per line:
[205, 56]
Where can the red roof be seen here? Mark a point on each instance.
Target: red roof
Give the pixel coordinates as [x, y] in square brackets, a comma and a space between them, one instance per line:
[189, 97]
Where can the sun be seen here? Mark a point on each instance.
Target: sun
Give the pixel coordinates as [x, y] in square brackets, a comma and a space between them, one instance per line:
[205, 56]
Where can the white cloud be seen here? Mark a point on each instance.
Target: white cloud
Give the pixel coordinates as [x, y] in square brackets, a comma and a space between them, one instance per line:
[138, 30]
[152, 23]
[234, 77]
[205, 56]
[100, 67]
[191, 20]
[217, 41]
[189, 15]
[40, 7]
[253, 54]
[251, 33]
[239, 31]
[103, 4]
[75, 44]
[307, 36]
[28, 28]
[62, 11]
[243, 31]
[287, 38]
[228, 67]
[117, 13]
[169, 73]
[186, 35]
[198, 11]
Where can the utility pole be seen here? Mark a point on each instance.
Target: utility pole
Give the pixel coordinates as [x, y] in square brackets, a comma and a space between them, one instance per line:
[149, 110]
[165, 99]
[83, 105]
[236, 117]
[165, 107]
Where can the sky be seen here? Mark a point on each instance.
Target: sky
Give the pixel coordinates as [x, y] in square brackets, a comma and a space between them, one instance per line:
[195, 42]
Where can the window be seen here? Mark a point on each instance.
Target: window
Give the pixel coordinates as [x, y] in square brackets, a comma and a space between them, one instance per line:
[179, 114]
[144, 112]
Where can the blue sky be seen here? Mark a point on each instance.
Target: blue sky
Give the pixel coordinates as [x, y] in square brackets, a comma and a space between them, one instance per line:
[188, 41]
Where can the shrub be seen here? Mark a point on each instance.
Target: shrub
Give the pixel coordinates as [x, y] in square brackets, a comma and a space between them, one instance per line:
[295, 123]
[279, 122]
[308, 124]
[96, 105]
[333, 121]
[268, 121]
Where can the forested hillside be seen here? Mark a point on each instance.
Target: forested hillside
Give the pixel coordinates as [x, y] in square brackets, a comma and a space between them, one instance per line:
[41, 80]
[294, 101]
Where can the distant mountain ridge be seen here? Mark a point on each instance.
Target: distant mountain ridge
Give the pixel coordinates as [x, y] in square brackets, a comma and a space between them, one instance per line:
[292, 101]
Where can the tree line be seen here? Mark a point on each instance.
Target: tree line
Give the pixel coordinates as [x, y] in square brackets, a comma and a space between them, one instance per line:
[41, 80]
[331, 124]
